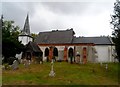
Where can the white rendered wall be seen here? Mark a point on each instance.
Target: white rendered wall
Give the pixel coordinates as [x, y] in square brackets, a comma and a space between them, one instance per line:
[25, 39]
[104, 53]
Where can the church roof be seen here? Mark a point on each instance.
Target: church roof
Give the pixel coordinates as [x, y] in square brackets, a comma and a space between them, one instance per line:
[26, 29]
[55, 37]
[32, 46]
[67, 37]
[96, 40]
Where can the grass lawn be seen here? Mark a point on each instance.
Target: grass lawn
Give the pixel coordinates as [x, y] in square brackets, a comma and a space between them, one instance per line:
[66, 74]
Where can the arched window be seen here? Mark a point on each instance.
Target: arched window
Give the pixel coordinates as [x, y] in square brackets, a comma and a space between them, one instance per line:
[55, 52]
[46, 52]
[70, 52]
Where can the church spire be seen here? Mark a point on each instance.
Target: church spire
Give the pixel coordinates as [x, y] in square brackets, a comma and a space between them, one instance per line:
[26, 28]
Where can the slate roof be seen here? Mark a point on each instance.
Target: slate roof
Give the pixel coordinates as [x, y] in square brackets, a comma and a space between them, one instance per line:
[96, 40]
[26, 29]
[55, 37]
[32, 46]
[67, 37]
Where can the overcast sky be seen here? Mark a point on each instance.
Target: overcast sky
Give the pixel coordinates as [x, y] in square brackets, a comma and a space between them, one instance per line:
[87, 18]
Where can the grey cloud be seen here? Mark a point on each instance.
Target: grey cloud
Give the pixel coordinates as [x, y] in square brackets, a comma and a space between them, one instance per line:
[67, 7]
[17, 11]
[77, 8]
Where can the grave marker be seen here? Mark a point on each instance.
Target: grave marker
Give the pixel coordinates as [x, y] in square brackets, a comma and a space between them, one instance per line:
[52, 73]
[15, 65]
[27, 63]
[106, 66]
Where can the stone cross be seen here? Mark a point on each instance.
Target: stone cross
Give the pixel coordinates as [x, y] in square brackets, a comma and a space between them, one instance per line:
[52, 73]
[15, 65]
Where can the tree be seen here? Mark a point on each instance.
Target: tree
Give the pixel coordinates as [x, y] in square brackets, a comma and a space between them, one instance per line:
[34, 36]
[10, 44]
[116, 27]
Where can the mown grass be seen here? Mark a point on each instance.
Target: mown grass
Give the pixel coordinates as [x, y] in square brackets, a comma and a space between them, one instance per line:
[66, 74]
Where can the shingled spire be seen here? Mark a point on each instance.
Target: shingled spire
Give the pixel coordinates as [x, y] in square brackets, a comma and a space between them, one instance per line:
[26, 29]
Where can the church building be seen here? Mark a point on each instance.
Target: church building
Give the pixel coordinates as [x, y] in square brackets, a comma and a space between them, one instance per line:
[31, 50]
[63, 45]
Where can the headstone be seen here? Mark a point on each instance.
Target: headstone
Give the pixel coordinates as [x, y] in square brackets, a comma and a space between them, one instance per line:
[106, 66]
[52, 73]
[27, 63]
[15, 65]
[40, 62]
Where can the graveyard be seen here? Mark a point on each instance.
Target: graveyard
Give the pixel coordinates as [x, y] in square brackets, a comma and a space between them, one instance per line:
[65, 74]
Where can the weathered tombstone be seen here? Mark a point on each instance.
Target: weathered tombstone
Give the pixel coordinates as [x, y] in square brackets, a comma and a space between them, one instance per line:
[15, 65]
[11, 60]
[106, 66]
[27, 63]
[41, 62]
[52, 73]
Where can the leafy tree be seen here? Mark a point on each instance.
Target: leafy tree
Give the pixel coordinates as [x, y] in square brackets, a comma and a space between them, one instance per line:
[116, 27]
[10, 44]
[34, 36]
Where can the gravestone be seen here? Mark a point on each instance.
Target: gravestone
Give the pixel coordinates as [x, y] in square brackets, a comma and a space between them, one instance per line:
[106, 66]
[27, 63]
[15, 65]
[52, 73]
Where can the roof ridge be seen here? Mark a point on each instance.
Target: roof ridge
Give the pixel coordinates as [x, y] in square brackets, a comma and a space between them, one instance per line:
[56, 31]
[90, 37]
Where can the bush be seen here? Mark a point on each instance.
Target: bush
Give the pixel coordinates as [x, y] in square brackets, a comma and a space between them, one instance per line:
[7, 67]
[11, 59]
